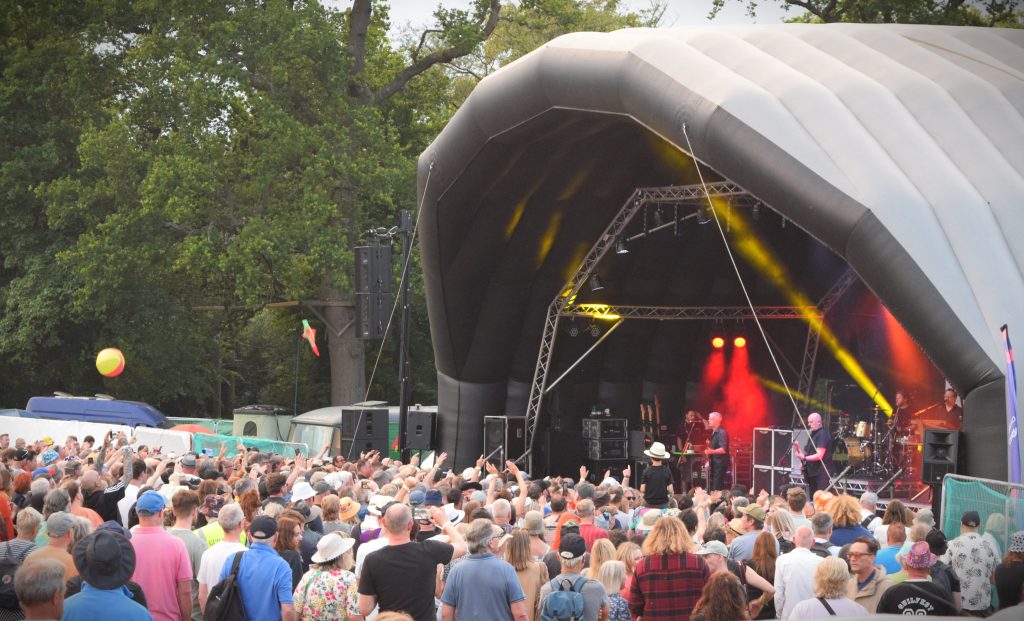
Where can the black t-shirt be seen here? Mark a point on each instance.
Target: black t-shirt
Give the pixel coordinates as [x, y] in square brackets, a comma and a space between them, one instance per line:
[821, 439]
[656, 480]
[916, 597]
[1008, 579]
[402, 577]
[720, 439]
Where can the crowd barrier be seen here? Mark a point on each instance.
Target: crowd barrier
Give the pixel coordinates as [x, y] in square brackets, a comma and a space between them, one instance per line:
[999, 503]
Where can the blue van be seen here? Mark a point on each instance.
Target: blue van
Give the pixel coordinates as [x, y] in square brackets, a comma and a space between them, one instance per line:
[97, 410]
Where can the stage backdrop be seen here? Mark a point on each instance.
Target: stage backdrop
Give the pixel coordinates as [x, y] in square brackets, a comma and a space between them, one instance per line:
[900, 148]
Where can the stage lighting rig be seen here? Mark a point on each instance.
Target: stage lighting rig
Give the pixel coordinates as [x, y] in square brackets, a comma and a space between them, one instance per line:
[718, 342]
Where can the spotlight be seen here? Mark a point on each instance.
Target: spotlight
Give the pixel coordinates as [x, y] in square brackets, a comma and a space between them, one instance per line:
[739, 342]
[703, 215]
[595, 283]
[574, 330]
[621, 247]
[718, 342]
[595, 331]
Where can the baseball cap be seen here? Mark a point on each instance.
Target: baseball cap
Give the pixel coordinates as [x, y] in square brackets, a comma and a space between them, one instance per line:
[21, 455]
[936, 542]
[714, 547]
[59, 523]
[433, 498]
[754, 512]
[322, 487]
[417, 498]
[150, 503]
[971, 518]
[41, 472]
[572, 547]
[919, 557]
[263, 527]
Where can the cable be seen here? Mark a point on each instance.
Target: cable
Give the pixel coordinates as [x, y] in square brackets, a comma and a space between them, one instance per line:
[401, 283]
[750, 304]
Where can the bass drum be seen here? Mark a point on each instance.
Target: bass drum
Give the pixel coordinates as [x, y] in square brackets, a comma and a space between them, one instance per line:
[850, 452]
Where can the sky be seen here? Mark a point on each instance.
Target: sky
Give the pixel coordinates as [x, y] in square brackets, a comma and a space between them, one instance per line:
[417, 13]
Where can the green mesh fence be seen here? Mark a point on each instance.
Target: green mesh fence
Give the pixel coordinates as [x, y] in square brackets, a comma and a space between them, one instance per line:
[1000, 505]
[211, 445]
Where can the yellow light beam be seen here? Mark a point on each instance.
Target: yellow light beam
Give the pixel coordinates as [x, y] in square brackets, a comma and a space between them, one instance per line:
[779, 388]
[761, 257]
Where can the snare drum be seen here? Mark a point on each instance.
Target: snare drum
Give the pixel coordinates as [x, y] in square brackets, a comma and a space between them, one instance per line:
[862, 430]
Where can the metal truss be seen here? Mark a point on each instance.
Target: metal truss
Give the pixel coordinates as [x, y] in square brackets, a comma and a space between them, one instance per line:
[567, 295]
[689, 312]
[825, 304]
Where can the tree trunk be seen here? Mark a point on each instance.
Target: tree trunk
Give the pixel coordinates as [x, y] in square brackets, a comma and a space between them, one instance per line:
[348, 368]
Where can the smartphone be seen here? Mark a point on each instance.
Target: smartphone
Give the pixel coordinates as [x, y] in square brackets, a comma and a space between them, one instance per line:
[208, 452]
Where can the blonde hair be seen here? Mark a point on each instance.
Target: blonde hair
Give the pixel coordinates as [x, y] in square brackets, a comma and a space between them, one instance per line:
[626, 553]
[845, 510]
[669, 536]
[518, 554]
[781, 523]
[612, 576]
[600, 553]
[331, 507]
[831, 577]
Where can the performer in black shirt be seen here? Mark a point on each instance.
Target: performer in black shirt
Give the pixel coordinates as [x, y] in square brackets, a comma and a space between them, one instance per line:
[816, 455]
[717, 452]
[950, 412]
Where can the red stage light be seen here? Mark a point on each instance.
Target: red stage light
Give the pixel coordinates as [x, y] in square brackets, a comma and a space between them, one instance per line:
[739, 341]
[718, 342]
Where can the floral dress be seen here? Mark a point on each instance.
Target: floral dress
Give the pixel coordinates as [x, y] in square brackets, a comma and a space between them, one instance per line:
[326, 595]
[618, 608]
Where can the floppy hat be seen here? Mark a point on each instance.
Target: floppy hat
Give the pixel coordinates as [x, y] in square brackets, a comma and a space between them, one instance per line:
[648, 521]
[455, 516]
[919, 557]
[1017, 542]
[105, 559]
[302, 491]
[657, 451]
[331, 546]
[376, 504]
[347, 509]
[736, 526]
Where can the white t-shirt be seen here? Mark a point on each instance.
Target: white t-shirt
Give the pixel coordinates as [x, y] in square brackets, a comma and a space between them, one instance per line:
[213, 561]
[812, 610]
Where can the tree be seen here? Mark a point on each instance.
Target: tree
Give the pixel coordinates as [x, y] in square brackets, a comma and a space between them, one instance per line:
[950, 12]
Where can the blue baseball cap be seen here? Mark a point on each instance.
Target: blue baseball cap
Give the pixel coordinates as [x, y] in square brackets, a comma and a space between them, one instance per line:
[150, 503]
[416, 498]
[41, 472]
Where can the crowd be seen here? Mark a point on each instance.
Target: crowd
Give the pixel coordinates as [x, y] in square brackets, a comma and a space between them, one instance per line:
[96, 530]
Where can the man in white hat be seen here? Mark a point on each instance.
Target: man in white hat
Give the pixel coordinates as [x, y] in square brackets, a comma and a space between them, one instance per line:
[656, 481]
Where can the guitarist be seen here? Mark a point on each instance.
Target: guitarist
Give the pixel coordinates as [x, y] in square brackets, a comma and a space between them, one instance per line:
[717, 452]
[816, 455]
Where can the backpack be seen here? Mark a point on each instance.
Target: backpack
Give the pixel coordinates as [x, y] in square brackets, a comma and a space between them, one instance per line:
[8, 566]
[562, 604]
[225, 600]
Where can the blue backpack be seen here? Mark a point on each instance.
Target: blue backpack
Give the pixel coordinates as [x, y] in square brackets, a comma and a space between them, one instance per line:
[564, 604]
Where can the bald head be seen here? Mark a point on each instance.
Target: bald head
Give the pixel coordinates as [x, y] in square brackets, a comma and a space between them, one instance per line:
[814, 420]
[90, 481]
[803, 537]
[397, 518]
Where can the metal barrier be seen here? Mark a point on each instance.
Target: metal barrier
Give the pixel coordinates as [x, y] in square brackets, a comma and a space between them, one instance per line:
[1000, 505]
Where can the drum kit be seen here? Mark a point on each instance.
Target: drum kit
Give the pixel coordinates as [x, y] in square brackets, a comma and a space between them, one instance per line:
[878, 447]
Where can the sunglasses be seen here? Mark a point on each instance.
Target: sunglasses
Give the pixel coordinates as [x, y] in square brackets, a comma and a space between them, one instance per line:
[630, 497]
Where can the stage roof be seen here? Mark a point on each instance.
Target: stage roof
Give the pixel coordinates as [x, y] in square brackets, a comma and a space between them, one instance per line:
[900, 148]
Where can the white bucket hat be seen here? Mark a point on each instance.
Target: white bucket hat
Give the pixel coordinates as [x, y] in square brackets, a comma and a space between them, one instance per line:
[302, 491]
[657, 451]
[331, 546]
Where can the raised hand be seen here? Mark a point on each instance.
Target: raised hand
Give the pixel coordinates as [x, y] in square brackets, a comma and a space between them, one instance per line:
[583, 473]
[626, 472]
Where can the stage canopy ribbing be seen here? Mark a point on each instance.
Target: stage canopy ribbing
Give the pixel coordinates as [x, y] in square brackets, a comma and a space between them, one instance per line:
[899, 148]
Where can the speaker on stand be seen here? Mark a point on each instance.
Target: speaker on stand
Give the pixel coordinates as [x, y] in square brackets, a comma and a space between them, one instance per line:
[504, 438]
[941, 456]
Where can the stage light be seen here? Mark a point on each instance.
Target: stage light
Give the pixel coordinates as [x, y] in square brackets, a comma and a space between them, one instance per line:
[718, 342]
[739, 341]
[574, 330]
[704, 215]
[595, 283]
[621, 247]
[595, 331]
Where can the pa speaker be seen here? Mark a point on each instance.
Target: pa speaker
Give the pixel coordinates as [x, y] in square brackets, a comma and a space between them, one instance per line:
[373, 269]
[419, 430]
[504, 438]
[639, 441]
[941, 452]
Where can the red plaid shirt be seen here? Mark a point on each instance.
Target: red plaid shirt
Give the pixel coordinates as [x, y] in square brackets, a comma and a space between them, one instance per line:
[667, 586]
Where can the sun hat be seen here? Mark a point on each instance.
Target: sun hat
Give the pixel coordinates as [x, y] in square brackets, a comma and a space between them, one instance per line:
[753, 511]
[213, 504]
[736, 526]
[347, 508]
[47, 441]
[919, 557]
[714, 547]
[455, 516]
[571, 547]
[649, 519]
[657, 451]
[263, 527]
[376, 504]
[1017, 542]
[533, 522]
[331, 546]
[105, 559]
[302, 491]
[150, 503]
[50, 456]
[114, 527]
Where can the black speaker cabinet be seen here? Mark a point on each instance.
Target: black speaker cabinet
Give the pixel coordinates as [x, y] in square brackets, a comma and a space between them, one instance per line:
[639, 441]
[363, 424]
[600, 450]
[419, 430]
[941, 452]
[505, 437]
[769, 479]
[605, 428]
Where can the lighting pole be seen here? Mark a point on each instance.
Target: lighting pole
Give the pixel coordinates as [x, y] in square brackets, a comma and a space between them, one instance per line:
[405, 225]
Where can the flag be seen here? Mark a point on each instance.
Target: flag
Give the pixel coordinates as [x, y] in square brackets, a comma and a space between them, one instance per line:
[309, 334]
[1012, 421]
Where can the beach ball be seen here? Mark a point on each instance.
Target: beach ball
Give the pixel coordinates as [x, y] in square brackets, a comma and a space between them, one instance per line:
[110, 362]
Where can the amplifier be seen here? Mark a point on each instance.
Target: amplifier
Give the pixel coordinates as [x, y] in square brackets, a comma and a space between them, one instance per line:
[769, 479]
[607, 449]
[605, 428]
[770, 445]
